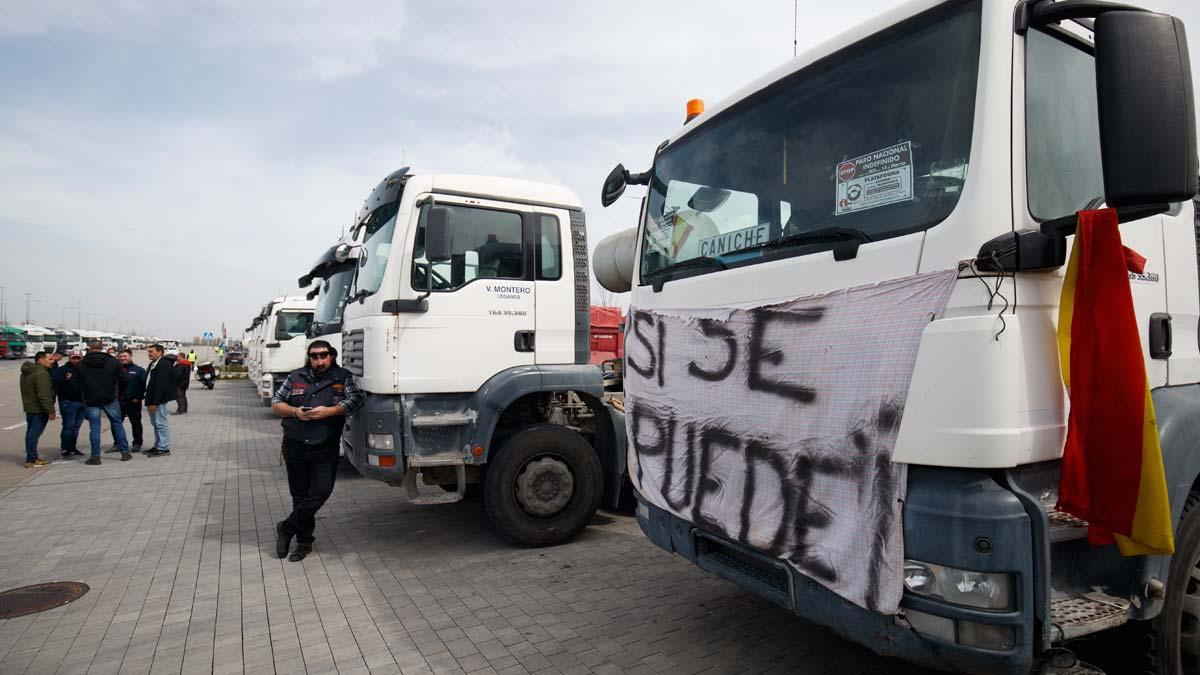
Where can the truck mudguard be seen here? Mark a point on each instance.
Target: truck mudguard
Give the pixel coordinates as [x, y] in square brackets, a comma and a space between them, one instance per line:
[507, 386]
[1178, 409]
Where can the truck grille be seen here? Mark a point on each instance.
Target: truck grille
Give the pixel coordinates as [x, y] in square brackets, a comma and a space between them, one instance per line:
[352, 352]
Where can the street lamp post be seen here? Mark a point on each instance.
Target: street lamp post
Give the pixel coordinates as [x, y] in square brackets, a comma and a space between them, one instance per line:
[27, 297]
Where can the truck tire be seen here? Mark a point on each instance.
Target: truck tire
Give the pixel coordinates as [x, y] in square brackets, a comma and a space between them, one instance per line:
[1176, 629]
[543, 486]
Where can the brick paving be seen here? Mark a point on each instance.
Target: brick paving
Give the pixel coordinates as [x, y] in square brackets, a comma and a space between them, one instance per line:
[178, 552]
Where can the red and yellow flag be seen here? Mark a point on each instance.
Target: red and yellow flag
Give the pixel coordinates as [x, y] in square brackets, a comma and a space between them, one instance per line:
[1112, 469]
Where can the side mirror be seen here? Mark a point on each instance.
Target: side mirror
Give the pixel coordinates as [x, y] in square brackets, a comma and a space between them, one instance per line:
[439, 234]
[614, 185]
[345, 252]
[1147, 114]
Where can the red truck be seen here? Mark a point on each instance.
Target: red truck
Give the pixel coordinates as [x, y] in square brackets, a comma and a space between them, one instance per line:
[607, 334]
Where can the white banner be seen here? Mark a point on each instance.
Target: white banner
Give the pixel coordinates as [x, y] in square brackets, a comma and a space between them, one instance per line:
[774, 426]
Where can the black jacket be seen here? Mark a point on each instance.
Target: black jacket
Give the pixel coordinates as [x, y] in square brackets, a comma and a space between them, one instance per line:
[160, 382]
[304, 388]
[98, 379]
[66, 383]
[183, 375]
[133, 382]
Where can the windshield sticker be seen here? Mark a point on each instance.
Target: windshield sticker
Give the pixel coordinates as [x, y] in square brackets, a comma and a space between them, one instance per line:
[875, 179]
[660, 236]
[734, 241]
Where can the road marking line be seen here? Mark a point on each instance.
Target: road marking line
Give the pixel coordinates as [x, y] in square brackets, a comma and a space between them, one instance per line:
[15, 426]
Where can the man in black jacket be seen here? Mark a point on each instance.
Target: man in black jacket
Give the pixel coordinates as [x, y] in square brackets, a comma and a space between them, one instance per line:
[70, 403]
[313, 401]
[160, 390]
[183, 376]
[131, 388]
[98, 381]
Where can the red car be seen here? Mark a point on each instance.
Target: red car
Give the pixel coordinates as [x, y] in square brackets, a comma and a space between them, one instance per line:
[3, 349]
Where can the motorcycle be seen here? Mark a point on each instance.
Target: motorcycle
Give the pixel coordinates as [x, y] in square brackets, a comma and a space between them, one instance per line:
[207, 373]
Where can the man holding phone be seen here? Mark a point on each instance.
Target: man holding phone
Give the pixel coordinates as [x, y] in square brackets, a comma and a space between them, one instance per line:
[312, 401]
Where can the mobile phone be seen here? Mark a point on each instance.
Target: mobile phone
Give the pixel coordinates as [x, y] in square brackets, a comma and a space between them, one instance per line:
[304, 408]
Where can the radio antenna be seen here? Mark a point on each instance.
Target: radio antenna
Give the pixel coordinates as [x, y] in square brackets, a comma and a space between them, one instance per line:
[795, 26]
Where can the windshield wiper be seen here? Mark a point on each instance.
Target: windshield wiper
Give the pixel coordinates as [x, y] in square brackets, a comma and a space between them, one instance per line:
[850, 235]
[665, 274]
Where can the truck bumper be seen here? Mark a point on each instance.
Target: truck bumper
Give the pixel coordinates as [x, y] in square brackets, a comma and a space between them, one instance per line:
[952, 517]
[378, 419]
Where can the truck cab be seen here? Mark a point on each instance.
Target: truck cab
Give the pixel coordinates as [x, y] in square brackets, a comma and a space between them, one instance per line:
[281, 342]
[466, 325]
[948, 144]
[15, 337]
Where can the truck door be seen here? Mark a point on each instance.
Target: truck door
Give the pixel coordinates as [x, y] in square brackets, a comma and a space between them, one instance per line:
[480, 317]
[554, 276]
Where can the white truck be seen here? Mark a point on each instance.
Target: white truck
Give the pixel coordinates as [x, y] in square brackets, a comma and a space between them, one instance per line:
[279, 343]
[955, 138]
[467, 328]
[38, 339]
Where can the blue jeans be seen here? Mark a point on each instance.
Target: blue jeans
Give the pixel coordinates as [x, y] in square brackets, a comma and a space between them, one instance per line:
[35, 424]
[113, 412]
[72, 419]
[158, 420]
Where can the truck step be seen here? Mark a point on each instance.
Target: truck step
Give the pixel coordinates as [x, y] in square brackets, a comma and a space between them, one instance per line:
[1065, 527]
[443, 420]
[1074, 615]
[441, 459]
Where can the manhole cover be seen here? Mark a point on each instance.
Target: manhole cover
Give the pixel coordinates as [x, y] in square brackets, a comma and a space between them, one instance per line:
[39, 598]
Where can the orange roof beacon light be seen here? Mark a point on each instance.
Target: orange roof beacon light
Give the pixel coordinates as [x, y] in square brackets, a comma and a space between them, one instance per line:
[694, 107]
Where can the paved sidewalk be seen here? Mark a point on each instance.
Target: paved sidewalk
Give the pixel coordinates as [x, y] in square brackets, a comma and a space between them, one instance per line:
[178, 554]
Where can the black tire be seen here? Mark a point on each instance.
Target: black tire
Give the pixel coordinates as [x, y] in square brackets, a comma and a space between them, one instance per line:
[552, 447]
[1176, 629]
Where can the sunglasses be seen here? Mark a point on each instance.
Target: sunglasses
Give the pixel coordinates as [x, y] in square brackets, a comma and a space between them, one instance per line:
[318, 355]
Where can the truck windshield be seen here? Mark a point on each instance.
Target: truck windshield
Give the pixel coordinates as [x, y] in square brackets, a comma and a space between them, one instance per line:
[330, 301]
[377, 243]
[869, 143]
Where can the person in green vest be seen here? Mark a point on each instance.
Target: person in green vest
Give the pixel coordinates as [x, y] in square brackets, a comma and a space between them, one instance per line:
[192, 355]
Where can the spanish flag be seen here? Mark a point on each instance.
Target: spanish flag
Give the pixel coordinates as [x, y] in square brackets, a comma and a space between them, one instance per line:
[1112, 469]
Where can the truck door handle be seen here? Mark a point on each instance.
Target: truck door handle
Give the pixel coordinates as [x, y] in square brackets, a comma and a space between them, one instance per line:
[1160, 336]
[523, 341]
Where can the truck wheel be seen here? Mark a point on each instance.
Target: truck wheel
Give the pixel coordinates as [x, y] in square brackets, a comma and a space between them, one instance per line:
[543, 487]
[1177, 627]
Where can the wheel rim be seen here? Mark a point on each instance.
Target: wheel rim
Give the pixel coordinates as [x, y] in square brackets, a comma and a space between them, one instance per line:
[544, 486]
[1189, 623]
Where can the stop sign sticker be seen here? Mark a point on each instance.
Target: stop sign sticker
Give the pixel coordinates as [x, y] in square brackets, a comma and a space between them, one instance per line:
[846, 170]
[875, 179]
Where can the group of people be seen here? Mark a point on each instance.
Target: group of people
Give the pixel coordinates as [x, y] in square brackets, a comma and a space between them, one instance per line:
[100, 385]
[313, 402]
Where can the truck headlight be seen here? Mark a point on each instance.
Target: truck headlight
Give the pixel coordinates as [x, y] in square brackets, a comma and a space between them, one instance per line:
[380, 442]
[986, 590]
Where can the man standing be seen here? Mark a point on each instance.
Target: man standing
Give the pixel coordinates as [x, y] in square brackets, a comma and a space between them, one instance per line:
[313, 401]
[37, 397]
[98, 379]
[70, 403]
[160, 390]
[131, 388]
[192, 355]
[183, 376]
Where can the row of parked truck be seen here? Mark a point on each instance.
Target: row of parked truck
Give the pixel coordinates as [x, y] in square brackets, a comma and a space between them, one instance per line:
[947, 143]
[26, 340]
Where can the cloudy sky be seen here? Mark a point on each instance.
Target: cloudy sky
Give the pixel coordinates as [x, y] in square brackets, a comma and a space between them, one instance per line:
[170, 166]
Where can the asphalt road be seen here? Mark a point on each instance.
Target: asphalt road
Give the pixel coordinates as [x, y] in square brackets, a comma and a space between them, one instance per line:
[12, 424]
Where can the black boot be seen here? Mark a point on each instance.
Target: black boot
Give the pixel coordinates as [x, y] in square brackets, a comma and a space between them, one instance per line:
[283, 539]
[302, 549]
